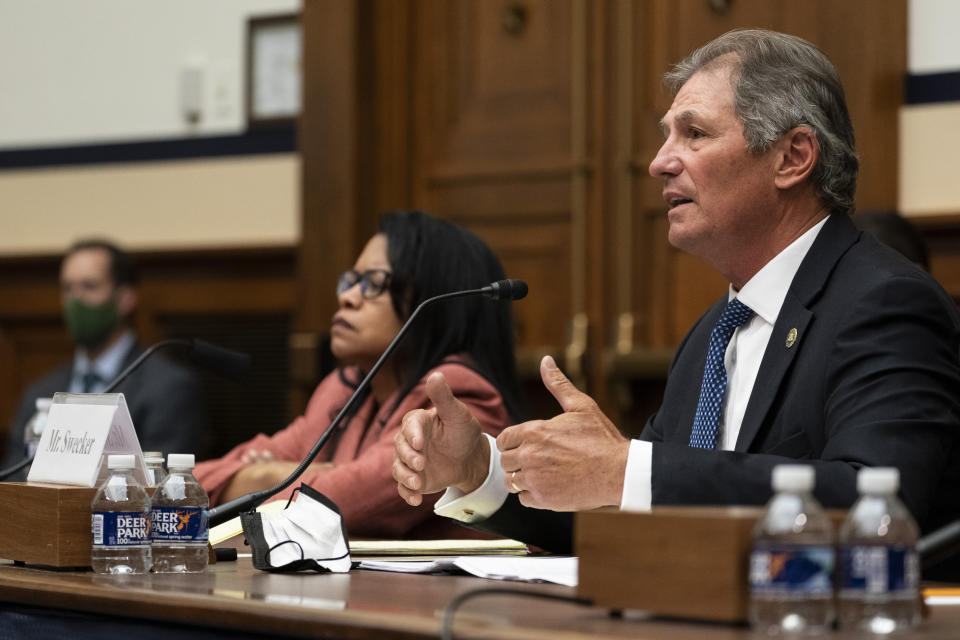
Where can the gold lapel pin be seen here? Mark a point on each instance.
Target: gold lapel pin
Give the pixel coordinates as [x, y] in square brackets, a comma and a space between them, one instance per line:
[792, 337]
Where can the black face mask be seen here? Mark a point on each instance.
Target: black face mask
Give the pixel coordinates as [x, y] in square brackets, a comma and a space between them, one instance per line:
[309, 536]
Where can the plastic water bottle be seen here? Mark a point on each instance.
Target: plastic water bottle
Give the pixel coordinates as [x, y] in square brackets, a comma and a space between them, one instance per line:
[791, 581]
[155, 472]
[179, 517]
[879, 571]
[120, 526]
[35, 425]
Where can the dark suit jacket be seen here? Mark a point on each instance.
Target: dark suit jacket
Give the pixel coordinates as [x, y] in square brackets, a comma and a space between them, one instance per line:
[873, 379]
[165, 400]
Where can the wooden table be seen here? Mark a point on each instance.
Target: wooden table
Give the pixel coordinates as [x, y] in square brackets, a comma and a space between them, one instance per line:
[361, 604]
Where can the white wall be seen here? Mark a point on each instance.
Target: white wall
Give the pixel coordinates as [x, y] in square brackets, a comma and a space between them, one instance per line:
[92, 71]
[932, 39]
[930, 133]
[96, 71]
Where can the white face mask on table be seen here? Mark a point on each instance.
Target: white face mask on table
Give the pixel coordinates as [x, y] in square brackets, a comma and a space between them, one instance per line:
[308, 535]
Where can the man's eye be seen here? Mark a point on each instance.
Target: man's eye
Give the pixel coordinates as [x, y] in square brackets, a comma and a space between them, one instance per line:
[696, 133]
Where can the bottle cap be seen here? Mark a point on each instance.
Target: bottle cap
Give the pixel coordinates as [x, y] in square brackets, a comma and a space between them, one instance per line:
[43, 404]
[121, 461]
[180, 460]
[153, 456]
[878, 480]
[793, 477]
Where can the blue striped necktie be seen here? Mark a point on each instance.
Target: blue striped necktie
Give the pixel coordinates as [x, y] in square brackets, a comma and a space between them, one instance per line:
[704, 434]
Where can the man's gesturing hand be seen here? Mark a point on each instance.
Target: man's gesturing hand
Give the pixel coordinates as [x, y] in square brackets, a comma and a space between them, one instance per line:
[571, 462]
[439, 447]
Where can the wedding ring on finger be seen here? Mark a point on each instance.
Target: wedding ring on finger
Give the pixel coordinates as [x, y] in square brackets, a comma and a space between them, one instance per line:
[513, 482]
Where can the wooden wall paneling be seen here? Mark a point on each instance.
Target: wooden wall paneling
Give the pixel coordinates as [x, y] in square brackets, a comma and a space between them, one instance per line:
[496, 102]
[335, 125]
[653, 270]
[625, 236]
[241, 299]
[8, 381]
[238, 299]
[327, 140]
[392, 180]
[29, 348]
[527, 225]
[32, 338]
[493, 142]
[584, 145]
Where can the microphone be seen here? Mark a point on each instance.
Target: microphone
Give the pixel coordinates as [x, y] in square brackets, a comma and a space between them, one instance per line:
[506, 290]
[500, 290]
[939, 544]
[227, 363]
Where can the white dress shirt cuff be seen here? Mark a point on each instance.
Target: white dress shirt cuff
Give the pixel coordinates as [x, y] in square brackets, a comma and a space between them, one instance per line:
[481, 503]
[637, 478]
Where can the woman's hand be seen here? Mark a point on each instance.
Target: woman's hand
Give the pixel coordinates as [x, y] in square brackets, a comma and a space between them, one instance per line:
[263, 471]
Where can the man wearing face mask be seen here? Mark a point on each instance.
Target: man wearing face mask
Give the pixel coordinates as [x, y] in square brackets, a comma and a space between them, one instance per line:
[98, 285]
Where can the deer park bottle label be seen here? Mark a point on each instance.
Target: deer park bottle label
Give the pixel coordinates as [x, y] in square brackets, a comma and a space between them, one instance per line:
[120, 528]
[179, 524]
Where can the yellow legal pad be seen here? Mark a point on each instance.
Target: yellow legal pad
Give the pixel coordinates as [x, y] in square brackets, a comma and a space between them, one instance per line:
[503, 547]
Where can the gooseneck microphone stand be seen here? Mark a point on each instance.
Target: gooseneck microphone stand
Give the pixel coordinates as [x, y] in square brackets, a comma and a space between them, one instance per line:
[501, 290]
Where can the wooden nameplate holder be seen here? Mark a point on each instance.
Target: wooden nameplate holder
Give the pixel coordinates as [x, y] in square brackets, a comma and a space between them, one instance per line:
[46, 524]
[689, 562]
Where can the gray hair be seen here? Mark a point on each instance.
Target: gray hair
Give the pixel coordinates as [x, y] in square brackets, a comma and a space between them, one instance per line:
[781, 82]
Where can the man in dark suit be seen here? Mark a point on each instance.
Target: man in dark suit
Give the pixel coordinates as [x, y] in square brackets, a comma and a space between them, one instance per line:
[829, 348]
[99, 288]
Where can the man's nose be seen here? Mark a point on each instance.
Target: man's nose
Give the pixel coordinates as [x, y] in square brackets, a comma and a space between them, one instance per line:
[665, 162]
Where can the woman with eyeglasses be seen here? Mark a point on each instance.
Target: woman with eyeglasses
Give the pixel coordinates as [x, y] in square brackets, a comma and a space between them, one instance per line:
[413, 257]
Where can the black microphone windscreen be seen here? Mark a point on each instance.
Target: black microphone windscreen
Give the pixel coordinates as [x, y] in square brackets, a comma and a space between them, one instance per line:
[518, 289]
[506, 290]
[227, 363]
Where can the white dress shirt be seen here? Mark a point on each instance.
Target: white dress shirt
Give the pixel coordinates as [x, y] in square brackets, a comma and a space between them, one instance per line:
[764, 293]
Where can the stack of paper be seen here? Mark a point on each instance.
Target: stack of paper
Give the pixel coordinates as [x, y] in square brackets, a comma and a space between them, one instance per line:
[559, 570]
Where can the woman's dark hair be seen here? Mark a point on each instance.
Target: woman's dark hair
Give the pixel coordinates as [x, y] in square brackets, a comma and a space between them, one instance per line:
[428, 257]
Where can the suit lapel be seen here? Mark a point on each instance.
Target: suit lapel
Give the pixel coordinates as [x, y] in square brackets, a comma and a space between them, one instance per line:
[790, 329]
[789, 332]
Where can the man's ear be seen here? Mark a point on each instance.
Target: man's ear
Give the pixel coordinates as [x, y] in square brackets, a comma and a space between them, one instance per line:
[797, 155]
[126, 300]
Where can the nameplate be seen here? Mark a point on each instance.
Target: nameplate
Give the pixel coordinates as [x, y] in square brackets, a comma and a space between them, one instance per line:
[82, 430]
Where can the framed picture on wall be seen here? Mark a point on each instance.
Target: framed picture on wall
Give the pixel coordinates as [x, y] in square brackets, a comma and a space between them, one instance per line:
[274, 77]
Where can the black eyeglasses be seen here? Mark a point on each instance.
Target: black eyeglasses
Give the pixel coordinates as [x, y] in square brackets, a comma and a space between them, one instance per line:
[373, 282]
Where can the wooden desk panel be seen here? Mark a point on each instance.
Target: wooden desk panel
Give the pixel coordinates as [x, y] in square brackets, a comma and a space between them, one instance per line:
[358, 605]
